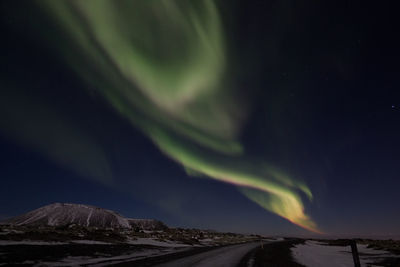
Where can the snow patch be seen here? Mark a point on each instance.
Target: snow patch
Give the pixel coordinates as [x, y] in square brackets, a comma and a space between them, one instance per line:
[88, 218]
[315, 254]
[153, 242]
[90, 242]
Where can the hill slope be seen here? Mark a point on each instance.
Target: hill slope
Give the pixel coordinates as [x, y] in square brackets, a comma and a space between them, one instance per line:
[61, 214]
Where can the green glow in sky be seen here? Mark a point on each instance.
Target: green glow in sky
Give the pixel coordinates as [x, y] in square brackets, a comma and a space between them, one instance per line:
[163, 65]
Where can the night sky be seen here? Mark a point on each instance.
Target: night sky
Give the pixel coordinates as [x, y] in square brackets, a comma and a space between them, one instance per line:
[270, 117]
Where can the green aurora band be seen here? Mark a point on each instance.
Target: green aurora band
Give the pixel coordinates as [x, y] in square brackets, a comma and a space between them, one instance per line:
[163, 65]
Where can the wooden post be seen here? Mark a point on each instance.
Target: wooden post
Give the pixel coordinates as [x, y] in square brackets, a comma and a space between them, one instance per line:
[354, 251]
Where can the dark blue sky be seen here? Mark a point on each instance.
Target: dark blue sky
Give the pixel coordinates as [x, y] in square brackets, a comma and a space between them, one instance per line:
[326, 109]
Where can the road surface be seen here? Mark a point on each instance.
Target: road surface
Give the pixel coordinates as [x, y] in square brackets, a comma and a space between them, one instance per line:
[221, 257]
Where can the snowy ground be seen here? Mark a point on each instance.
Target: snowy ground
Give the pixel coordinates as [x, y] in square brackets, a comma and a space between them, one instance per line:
[154, 242]
[106, 261]
[141, 248]
[315, 254]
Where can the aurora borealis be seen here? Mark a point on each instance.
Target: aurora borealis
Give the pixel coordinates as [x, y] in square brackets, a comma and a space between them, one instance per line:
[215, 96]
[167, 61]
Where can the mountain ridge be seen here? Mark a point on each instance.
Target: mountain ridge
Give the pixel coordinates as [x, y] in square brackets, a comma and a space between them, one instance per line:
[64, 214]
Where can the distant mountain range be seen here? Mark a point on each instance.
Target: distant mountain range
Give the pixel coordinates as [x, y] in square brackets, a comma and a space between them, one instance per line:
[65, 214]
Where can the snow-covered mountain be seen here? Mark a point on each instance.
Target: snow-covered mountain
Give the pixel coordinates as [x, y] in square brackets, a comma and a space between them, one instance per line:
[61, 214]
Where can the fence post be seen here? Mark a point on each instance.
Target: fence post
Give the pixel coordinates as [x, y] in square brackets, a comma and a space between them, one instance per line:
[354, 251]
